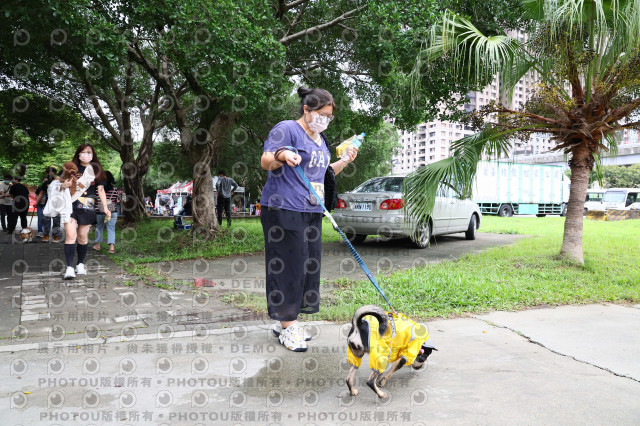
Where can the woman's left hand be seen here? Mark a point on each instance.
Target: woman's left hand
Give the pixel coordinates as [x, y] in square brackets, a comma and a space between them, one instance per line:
[352, 152]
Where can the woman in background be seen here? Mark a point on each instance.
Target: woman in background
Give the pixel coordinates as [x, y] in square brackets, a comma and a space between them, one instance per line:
[113, 196]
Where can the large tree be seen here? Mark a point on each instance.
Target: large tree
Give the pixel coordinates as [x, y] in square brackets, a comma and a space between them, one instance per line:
[232, 60]
[68, 52]
[587, 56]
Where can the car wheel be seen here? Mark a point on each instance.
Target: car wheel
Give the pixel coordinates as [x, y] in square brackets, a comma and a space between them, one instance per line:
[357, 238]
[351, 235]
[422, 237]
[505, 211]
[585, 211]
[470, 234]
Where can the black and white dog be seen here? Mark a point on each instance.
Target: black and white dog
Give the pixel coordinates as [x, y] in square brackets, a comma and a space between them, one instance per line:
[387, 338]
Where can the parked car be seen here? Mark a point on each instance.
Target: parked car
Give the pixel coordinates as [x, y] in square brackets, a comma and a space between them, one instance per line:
[376, 208]
[620, 198]
[594, 200]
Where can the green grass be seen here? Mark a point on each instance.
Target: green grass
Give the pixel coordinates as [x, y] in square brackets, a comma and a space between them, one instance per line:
[527, 274]
[155, 240]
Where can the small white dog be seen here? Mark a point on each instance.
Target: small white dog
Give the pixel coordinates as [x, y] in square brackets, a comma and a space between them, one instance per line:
[26, 235]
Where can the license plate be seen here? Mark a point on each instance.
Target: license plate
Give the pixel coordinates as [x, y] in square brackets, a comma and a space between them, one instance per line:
[362, 207]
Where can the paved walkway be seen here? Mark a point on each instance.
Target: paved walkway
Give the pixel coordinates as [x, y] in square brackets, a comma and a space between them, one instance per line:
[381, 256]
[97, 351]
[546, 366]
[37, 304]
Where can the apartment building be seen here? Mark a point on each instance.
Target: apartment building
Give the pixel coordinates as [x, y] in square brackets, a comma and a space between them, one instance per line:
[431, 142]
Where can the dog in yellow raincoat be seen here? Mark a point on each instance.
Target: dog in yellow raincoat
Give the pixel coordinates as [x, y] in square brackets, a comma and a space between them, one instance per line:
[387, 338]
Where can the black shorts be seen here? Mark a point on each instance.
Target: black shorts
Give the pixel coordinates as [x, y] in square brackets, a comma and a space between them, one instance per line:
[293, 251]
[84, 216]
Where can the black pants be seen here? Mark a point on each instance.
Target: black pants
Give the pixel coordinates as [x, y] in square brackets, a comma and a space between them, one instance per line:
[293, 250]
[224, 203]
[4, 211]
[14, 213]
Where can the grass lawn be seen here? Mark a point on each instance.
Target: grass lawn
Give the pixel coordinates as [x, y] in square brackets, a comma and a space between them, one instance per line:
[526, 274]
[155, 240]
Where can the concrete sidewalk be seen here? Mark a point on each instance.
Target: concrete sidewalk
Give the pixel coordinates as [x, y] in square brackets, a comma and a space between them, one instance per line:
[38, 305]
[545, 366]
[97, 350]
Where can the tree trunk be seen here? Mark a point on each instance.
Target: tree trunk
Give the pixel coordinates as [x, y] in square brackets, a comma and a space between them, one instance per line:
[133, 172]
[201, 148]
[133, 206]
[581, 164]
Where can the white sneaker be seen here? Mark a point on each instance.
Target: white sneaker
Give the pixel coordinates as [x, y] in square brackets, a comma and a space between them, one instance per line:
[277, 329]
[80, 269]
[69, 273]
[292, 338]
[39, 235]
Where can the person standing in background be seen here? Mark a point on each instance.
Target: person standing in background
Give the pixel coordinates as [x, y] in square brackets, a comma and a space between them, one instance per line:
[113, 196]
[41, 201]
[5, 201]
[225, 187]
[20, 206]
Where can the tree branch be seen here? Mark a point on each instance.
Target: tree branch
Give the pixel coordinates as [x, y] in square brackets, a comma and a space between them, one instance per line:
[622, 111]
[288, 39]
[296, 19]
[626, 126]
[93, 97]
[527, 114]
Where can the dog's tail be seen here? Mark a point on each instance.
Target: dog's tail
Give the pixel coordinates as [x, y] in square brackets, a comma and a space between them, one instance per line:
[355, 340]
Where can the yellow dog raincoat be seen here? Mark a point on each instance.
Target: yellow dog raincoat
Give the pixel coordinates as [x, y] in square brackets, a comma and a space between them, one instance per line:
[403, 338]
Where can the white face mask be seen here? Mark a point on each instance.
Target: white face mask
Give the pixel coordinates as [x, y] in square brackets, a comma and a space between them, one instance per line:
[86, 157]
[318, 123]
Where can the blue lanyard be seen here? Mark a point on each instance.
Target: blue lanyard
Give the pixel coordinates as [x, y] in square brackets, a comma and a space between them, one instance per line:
[344, 237]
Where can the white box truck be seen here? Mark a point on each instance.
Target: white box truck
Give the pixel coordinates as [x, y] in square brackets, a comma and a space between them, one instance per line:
[505, 189]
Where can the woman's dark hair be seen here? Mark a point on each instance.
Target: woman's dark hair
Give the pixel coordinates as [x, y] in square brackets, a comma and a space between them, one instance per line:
[98, 170]
[111, 181]
[314, 99]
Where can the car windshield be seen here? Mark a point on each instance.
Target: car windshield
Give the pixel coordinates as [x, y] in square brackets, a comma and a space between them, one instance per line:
[381, 184]
[614, 197]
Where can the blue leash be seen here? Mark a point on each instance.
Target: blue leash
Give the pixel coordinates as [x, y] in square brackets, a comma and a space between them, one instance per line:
[344, 237]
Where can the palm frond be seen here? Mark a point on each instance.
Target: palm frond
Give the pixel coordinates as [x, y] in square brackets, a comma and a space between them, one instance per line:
[512, 73]
[475, 56]
[534, 9]
[457, 172]
[598, 169]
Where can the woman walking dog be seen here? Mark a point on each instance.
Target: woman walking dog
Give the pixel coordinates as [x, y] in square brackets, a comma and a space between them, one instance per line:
[90, 186]
[291, 216]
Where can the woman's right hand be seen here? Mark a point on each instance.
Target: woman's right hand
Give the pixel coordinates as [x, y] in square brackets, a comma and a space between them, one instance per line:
[292, 158]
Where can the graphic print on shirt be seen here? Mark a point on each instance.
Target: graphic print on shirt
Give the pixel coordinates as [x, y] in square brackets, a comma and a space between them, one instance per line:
[320, 160]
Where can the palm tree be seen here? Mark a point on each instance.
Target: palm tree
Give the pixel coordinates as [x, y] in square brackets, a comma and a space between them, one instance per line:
[587, 56]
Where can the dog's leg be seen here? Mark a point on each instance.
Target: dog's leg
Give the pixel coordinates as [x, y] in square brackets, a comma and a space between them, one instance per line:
[350, 376]
[395, 367]
[373, 384]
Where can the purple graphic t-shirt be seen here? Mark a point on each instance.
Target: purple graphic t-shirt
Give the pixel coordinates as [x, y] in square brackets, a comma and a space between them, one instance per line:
[285, 189]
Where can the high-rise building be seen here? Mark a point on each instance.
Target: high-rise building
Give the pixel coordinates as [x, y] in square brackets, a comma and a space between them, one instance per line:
[431, 142]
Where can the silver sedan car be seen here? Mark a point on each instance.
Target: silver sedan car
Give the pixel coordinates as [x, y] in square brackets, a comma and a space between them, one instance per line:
[376, 208]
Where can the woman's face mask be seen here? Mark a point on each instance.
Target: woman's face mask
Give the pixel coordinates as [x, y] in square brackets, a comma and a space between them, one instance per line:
[318, 123]
[86, 157]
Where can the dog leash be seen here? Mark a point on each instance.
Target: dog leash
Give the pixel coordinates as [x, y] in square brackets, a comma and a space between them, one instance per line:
[344, 237]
